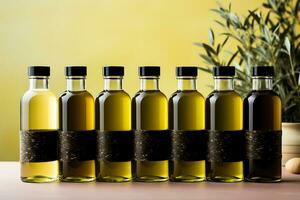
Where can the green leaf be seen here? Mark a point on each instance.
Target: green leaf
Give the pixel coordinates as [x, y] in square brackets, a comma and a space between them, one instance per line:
[297, 8]
[211, 36]
[218, 49]
[209, 60]
[207, 48]
[287, 45]
[232, 58]
[233, 36]
[254, 15]
[266, 5]
[216, 11]
[266, 33]
[225, 41]
[220, 23]
[207, 70]
[267, 20]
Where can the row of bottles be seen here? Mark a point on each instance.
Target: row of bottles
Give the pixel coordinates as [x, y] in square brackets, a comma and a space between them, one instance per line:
[149, 138]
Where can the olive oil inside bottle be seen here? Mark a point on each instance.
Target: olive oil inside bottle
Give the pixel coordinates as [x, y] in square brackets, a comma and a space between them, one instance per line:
[113, 123]
[150, 123]
[262, 122]
[77, 124]
[187, 119]
[39, 125]
[224, 120]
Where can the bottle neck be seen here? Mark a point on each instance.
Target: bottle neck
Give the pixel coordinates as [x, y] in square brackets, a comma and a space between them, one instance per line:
[262, 83]
[113, 83]
[186, 83]
[75, 83]
[149, 83]
[224, 83]
[38, 83]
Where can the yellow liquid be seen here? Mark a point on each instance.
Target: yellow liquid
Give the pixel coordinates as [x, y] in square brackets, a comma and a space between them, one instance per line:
[113, 113]
[39, 172]
[150, 112]
[39, 111]
[187, 112]
[78, 171]
[114, 171]
[188, 171]
[152, 171]
[77, 113]
[224, 112]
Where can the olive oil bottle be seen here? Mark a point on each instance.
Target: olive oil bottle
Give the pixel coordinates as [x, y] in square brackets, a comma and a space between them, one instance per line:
[224, 120]
[262, 123]
[150, 123]
[113, 125]
[39, 129]
[187, 120]
[77, 123]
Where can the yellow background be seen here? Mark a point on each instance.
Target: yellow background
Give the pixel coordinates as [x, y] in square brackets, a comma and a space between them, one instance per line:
[97, 33]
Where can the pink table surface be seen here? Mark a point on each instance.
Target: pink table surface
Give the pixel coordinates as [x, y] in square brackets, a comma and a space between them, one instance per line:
[11, 188]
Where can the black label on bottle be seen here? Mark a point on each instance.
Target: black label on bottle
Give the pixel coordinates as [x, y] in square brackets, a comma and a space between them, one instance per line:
[189, 145]
[77, 145]
[226, 146]
[152, 145]
[115, 146]
[39, 146]
[265, 145]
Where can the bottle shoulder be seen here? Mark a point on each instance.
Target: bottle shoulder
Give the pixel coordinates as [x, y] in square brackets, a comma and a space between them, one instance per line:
[180, 95]
[262, 93]
[121, 93]
[223, 95]
[66, 95]
[30, 95]
[267, 95]
[154, 94]
[118, 95]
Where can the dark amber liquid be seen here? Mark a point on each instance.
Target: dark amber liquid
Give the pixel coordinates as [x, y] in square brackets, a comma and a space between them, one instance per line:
[77, 114]
[262, 111]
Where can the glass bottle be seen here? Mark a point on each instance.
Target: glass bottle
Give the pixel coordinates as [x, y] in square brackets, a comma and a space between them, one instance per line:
[39, 129]
[113, 125]
[150, 123]
[262, 123]
[224, 120]
[77, 123]
[187, 120]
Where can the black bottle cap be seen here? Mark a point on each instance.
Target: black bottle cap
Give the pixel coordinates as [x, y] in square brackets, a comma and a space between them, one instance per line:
[263, 71]
[75, 71]
[186, 71]
[149, 71]
[224, 71]
[38, 71]
[113, 71]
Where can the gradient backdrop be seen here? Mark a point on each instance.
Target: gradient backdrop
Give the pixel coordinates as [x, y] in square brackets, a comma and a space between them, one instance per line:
[97, 33]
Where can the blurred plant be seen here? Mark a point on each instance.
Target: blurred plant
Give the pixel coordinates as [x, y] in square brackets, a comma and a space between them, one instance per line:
[266, 36]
